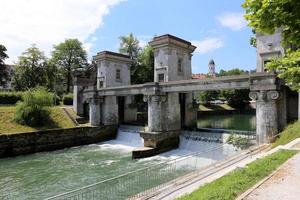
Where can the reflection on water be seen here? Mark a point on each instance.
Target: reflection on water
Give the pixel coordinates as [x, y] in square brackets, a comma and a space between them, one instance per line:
[229, 121]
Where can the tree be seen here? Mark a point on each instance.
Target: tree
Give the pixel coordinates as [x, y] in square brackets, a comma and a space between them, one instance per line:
[69, 56]
[266, 16]
[145, 70]
[289, 66]
[3, 71]
[129, 45]
[31, 69]
[206, 96]
[230, 72]
[235, 98]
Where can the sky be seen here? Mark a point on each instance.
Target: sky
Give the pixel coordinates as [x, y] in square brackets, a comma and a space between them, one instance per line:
[216, 27]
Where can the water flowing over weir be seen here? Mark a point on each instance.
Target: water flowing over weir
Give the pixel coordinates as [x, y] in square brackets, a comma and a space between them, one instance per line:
[105, 170]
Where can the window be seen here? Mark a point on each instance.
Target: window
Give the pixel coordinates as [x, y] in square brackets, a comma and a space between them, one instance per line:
[179, 65]
[118, 74]
[161, 78]
[100, 84]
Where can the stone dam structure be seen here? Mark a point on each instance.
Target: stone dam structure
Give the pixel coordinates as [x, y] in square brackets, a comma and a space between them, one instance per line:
[105, 96]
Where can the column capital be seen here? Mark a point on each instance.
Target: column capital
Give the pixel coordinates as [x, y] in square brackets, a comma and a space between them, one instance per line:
[155, 98]
[264, 95]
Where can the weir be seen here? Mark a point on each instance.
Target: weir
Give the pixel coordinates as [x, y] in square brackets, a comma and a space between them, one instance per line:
[170, 97]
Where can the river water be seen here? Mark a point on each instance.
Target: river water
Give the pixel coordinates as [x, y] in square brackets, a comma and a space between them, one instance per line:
[246, 122]
[43, 175]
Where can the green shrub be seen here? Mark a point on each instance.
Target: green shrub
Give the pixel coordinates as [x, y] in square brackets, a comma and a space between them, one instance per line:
[68, 99]
[10, 97]
[33, 110]
[240, 142]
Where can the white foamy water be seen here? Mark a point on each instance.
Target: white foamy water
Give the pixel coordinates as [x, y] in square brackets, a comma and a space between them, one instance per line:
[128, 138]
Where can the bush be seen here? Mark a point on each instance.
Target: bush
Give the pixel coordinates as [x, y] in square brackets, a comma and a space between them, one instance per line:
[10, 97]
[33, 110]
[68, 99]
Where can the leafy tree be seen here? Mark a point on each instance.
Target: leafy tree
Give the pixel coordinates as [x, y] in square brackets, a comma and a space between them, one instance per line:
[266, 16]
[145, 70]
[3, 71]
[206, 96]
[129, 45]
[230, 72]
[289, 66]
[235, 98]
[69, 56]
[31, 70]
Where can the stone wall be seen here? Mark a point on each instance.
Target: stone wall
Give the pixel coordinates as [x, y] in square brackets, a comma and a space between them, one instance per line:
[32, 142]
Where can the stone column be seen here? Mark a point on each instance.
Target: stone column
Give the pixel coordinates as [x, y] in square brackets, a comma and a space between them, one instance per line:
[78, 100]
[190, 111]
[95, 112]
[110, 115]
[156, 112]
[266, 115]
[130, 109]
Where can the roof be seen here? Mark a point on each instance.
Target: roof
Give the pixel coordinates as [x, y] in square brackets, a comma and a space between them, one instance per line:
[199, 76]
[165, 40]
[172, 37]
[211, 62]
[113, 54]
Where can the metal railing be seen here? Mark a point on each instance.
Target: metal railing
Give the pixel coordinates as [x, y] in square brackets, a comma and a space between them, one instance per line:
[135, 184]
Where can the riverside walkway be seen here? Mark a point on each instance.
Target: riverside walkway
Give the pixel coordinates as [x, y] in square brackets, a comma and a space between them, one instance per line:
[282, 184]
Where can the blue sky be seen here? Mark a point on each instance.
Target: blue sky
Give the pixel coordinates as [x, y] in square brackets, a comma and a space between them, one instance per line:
[193, 20]
[216, 27]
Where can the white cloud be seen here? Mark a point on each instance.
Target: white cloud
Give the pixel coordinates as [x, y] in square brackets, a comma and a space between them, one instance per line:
[234, 21]
[48, 22]
[208, 44]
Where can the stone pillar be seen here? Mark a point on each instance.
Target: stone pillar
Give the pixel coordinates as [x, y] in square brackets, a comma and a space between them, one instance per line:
[156, 112]
[163, 122]
[282, 109]
[130, 109]
[266, 115]
[95, 112]
[110, 115]
[190, 111]
[78, 100]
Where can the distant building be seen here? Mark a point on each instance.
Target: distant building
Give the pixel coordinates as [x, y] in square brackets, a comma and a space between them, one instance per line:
[10, 69]
[211, 68]
[199, 76]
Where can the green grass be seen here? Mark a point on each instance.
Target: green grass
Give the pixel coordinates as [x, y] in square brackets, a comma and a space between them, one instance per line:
[9, 126]
[235, 183]
[290, 133]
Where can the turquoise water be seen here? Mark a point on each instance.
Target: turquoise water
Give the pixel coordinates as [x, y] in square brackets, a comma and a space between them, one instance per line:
[43, 175]
[245, 122]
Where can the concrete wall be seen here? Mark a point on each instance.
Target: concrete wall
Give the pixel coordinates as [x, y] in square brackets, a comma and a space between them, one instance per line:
[106, 72]
[32, 142]
[267, 47]
[166, 62]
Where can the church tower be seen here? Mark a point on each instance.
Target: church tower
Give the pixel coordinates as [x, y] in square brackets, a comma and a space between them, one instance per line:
[212, 68]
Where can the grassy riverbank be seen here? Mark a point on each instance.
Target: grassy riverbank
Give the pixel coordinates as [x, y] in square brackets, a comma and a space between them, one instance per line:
[7, 125]
[235, 183]
[290, 133]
